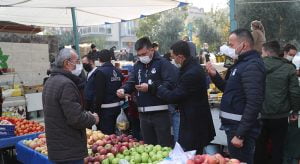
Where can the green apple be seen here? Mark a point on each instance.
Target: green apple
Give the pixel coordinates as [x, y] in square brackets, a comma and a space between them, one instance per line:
[115, 161]
[145, 157]
[159, 152]
[133, 149]
[154, 157]
[149, 160]
[165, 149]
[157, 147]
[160, 157]
[127, 158]
[152, 153]
[120, 156]
[110, 158]
[132, 161]
[126, 152]
[165, 154]
[137, 159]
[106, 161]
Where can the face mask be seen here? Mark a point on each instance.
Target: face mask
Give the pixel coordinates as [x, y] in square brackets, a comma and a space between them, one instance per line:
[289, 58]
[174, 63]
[145, 59]
[97, 63]
[230, 52]
[87, 67]
[77, 71]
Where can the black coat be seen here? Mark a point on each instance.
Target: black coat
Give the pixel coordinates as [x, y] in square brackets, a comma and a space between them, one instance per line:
[65, 119]
[196, 124]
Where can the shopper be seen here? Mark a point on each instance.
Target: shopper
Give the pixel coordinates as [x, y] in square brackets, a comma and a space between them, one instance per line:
[258, 33]
[65, 118]
[153, 112]
[282, 95]
[196, 128]
[108, 80]
[88, 62]
[243, 95]
[289, 51]
[192, 46]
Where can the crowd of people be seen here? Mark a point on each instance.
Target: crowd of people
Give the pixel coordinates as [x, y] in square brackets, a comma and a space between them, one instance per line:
[261, 94]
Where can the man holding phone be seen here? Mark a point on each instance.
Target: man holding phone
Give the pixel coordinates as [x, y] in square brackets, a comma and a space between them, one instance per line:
[150, 71]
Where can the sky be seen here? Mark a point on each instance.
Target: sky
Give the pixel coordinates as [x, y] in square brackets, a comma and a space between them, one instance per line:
[207, 4]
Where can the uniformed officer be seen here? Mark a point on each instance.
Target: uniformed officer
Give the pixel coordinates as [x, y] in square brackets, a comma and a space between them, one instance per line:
[151, 70]
[108, 80]
[88, 62]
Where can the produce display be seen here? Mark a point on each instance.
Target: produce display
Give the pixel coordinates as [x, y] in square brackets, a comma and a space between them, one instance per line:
[38, 144]
[23, 126]
[212, 159]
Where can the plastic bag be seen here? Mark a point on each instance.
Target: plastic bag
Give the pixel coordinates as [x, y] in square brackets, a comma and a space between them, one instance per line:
[122, 121]
[178, 156]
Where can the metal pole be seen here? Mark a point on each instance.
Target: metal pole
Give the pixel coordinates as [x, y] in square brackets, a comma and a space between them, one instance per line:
[75, 31]
[233, 23]
[190, 28]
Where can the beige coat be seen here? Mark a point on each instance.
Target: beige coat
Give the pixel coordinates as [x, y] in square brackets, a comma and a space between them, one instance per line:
[259, 39]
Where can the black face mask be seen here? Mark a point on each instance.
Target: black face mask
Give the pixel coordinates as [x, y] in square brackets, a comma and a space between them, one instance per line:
[87, 67]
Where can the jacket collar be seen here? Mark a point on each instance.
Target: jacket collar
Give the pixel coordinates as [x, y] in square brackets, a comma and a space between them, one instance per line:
[77, 80]
[107, 64]
[189, 61]
[248, 55]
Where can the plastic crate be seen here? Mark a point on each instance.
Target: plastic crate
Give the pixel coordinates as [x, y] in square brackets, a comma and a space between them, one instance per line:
[6, 134]
[7, 131]
[7, 127]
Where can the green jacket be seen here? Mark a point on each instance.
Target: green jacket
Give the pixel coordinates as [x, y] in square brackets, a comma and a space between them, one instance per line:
[282, 93]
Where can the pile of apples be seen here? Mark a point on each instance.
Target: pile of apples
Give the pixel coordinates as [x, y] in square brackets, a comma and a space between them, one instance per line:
[23, 126]
[212, 159]
[38, 144]
[110, 145]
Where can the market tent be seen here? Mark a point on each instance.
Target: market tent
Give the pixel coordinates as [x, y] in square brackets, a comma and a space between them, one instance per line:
[57, 13]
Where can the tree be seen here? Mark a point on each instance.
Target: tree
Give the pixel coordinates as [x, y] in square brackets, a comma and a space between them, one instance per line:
[98, 40]
[213, 28]
[163, 28]
[280, 20]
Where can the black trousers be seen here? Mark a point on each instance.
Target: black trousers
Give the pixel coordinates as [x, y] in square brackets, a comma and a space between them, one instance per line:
[156, 128]
[108, 117]
[274, 130]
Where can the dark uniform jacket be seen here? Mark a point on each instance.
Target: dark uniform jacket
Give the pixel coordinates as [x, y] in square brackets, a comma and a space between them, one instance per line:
[196, 124]
[243, 94]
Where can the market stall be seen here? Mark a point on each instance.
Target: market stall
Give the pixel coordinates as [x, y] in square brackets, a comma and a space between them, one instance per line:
[113, 149]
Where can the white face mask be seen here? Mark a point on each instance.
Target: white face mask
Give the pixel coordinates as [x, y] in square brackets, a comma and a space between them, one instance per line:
[289, 58]
[145, 59]
[230, 52]
[78, 69]
[174, 63]
[97, 63]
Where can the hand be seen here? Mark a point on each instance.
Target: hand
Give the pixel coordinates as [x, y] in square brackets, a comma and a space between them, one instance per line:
[236, 142]
[96, 118]
[142, 88]
[293, 117]
[210, 69]
[121, 93]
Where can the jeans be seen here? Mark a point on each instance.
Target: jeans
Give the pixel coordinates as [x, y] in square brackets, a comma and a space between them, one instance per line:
[156, 128]
[274, 130]
[175, 119]
[80, 161]
[245, 153]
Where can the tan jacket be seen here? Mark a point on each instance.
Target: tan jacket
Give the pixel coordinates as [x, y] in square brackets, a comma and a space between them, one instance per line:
[259, 39]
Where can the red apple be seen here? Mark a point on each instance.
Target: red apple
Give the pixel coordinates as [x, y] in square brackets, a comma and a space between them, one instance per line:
[113, 136]
[102, 157]
[141, 142]
[103, 151]
[125, 144]
[123, 148]
[114, 150]
[130, 136]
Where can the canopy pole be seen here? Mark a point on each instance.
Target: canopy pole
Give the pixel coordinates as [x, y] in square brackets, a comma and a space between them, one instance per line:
[75, 31]
[233, 23]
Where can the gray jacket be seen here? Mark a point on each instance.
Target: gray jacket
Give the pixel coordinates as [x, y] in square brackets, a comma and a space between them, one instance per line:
[65, 119]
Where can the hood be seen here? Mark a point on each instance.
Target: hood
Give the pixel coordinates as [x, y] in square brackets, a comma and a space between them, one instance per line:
[273, 63]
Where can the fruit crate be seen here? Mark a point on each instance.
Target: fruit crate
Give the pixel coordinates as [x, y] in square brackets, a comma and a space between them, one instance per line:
[7, 131]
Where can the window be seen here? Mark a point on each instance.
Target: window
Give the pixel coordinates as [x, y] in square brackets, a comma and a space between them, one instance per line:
[128, 28]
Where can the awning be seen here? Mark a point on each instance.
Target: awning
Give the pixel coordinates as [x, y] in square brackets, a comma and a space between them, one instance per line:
[57, 13]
